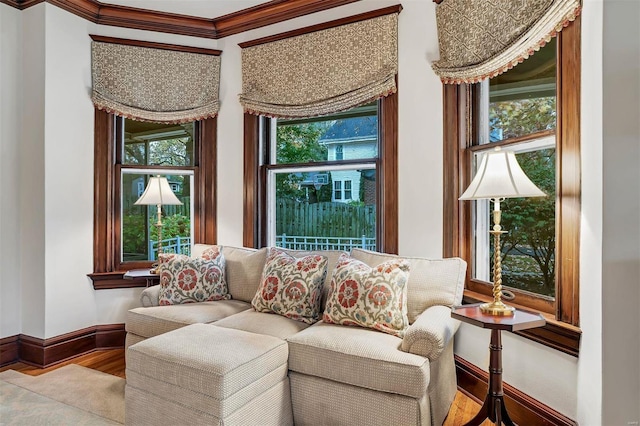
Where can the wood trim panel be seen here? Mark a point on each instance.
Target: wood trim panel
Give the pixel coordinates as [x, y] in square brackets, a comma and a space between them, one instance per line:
[110, 336]
[388, 174]
[523, 409]
[207, 191]
[111, 280]
[323, 26]
[569, 172]
[153, 45]
[9, 350]
[271, 13]
[251, 18]
[46, 352]
[21, 4]
[251, 214]
[103, 154]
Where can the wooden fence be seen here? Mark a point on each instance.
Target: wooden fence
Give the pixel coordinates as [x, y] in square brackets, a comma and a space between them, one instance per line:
[325, 219]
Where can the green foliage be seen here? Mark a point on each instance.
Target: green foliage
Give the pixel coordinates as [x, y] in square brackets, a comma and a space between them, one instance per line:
[530, 223]
[524, 116]
[134, 239]
[299, 143]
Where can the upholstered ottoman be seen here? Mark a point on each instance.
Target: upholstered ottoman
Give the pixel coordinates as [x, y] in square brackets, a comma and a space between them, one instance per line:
[203, 374]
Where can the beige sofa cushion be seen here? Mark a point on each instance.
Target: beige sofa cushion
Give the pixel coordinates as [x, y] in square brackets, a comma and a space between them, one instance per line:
[155, 320]
[244, 269]
[360, 357]
[431, 282]
[263, 323]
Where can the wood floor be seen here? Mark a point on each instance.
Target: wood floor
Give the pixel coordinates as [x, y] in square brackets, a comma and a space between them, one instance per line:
[112, 362]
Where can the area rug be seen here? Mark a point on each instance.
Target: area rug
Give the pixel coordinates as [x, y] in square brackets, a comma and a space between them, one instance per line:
[69, 395]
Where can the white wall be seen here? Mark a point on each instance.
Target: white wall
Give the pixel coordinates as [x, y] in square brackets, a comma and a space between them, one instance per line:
[10, 113]
[621, 226]
[32, 175]
[61, 161]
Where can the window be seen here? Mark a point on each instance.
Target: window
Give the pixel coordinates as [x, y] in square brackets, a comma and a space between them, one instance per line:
[532, 109]
[288, 163]
[303, 213]
[127, 153]
[149, 149]
[337, 190]
[339, 152]
[347, 190]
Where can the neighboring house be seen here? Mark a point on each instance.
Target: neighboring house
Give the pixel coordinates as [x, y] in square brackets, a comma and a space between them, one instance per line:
[351, 139]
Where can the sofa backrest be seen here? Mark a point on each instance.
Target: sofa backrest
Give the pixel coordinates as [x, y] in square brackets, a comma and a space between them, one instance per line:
[431, 281]
[244, 269]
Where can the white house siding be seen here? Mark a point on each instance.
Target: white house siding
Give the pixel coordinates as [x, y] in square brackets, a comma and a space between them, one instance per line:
[351, 150]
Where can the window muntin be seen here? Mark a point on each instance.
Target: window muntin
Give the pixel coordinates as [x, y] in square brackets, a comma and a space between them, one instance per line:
[305, 179]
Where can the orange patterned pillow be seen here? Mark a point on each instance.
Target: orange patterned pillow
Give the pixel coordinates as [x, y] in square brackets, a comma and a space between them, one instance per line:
[290, 286]
[372, 297]
[188, 280]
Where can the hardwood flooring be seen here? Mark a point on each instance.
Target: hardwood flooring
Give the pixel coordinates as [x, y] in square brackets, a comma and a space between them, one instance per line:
[112, 362]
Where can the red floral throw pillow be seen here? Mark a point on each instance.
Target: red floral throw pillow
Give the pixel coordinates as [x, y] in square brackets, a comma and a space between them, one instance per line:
[188, 280]
[291, 287]
[369, 297]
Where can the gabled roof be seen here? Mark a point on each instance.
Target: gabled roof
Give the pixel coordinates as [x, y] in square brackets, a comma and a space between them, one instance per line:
[351, 129]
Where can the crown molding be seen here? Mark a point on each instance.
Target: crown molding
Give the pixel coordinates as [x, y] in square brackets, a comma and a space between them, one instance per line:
[251, 18]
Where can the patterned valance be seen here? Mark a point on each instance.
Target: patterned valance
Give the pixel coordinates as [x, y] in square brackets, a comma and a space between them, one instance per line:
[322, 72]
[150, 84]
[481, 39]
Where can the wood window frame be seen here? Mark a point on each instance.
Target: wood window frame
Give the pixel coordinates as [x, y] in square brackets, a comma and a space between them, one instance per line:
[562, 329]
[254, 212]
[108, 270]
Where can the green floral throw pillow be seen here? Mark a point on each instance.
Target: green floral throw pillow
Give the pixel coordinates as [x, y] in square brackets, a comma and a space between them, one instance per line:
[187, 280]
[372, 297]
[291, 287]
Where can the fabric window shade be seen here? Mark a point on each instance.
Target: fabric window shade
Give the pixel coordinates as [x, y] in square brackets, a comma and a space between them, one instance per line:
[481, 39]
[322, 72]
[150, 84]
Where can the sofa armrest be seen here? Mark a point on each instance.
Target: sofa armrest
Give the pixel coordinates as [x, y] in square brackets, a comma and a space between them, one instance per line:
[150, 296]
[431, 332]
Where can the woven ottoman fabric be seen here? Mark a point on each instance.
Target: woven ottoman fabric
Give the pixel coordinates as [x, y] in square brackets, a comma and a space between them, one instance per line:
[204, 374]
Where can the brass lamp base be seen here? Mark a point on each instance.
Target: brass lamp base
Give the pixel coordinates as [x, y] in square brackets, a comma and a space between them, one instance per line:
[497, 309]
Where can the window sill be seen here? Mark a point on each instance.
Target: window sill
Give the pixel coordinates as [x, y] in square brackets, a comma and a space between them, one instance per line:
[555, 334]
[111, 280]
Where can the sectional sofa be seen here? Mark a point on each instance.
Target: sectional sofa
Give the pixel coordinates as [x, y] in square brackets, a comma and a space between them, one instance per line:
[223, 362]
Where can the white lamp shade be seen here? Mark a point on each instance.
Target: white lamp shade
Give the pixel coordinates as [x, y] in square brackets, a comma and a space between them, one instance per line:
[158, 191]
[500, 176]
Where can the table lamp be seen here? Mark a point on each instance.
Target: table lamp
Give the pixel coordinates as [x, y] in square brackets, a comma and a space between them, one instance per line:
[498, 177]
[159, 193]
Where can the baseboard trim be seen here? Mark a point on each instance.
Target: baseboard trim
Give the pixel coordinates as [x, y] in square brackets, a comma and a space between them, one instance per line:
[9, 350]
[46, 352]
[523, 409]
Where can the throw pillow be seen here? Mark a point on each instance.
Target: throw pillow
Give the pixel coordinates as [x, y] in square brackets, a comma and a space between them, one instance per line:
[372, 297]
[290, 286]
[189, 280]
